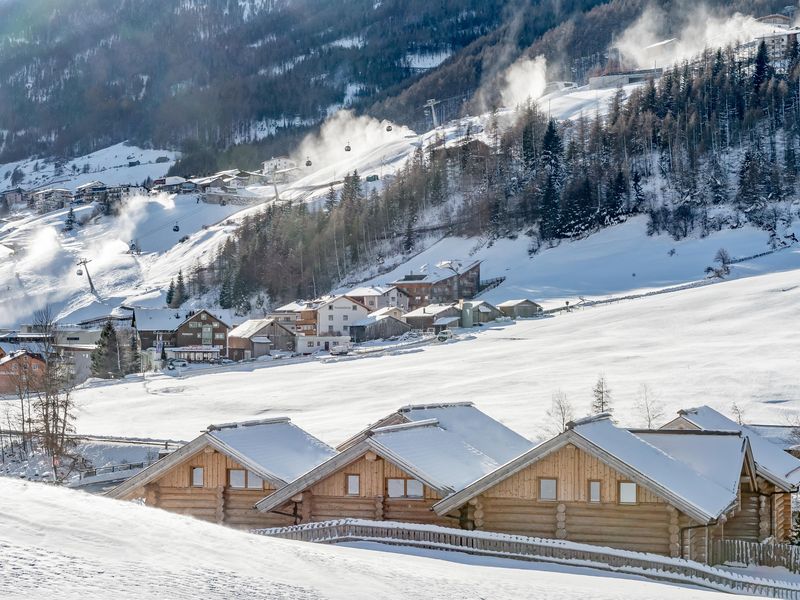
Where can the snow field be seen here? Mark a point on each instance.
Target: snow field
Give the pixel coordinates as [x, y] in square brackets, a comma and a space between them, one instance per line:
[59, 542]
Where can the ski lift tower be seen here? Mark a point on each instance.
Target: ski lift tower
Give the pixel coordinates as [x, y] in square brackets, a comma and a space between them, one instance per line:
[83, 267]
[431, 103]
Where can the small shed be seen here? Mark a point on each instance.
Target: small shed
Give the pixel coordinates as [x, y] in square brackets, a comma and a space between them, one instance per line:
[520, 308]
[479, 311]
[377, 327]
[423, 318]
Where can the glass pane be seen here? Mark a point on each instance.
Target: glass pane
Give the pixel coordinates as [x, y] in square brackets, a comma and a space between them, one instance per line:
[396, 488]
[627, 493]
[353, 485]
[236, 478]
[594, 491]
[547, 489]
[414, 488]
[197, 476]
[254, 482]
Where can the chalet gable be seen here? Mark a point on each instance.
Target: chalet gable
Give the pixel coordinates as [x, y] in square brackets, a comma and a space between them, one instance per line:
[676, 482]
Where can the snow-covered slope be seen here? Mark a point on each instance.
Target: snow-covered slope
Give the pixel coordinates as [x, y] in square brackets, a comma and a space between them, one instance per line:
[110, 165]
[729, 342]
[61, 543]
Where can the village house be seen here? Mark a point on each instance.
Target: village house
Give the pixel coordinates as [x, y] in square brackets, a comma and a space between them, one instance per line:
[50, 199]
[434, 316]
[335, 314]
[478, 312]
[13, 198]
[664, 491]
[220, 475]
[301, 313]
[309, 344]
[256, 337]
[168, 185]
[93, 191]
[375, 297]
[399, 468]
[21, 371]
[378, 327]
[520, 309]
[195, 336]
[438, 285]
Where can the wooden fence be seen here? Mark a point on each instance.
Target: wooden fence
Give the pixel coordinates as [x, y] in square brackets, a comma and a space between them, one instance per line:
[483, 543]
[753, 553]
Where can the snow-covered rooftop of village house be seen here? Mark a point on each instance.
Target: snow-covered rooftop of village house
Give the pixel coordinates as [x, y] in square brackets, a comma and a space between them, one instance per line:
[168, 319]
[437, 456]
[433, 274]
[515, 302]
[279, 447]
[430, 310]
[715, 455]
[298, 305]
[249, 328]
[173, 180]
[771, 461]
[372, 290]
[473, 426]
[705, 495]
[370, 319]
[786, 437]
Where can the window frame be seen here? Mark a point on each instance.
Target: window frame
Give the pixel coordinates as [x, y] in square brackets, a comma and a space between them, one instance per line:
[347, 489]
[244, 479]
[193, 481]
[405, 495]
[539, 481]
[599, 491]
[635, 491]
[249, 485]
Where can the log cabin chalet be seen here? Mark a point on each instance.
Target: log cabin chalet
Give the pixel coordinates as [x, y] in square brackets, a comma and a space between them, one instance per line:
[399, 468]
[220, 475]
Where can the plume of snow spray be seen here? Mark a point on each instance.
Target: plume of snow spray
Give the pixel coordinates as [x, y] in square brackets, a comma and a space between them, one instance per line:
[648, 42]
[525, 78]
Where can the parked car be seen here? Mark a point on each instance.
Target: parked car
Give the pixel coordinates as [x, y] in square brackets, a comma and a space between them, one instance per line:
[177, 363]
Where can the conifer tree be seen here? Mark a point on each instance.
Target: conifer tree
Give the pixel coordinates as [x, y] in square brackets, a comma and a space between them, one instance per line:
[170, 293]
[107, 359]
[601, 403]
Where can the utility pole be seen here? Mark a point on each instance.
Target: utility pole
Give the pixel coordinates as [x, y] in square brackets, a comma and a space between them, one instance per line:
[84, 264]
[431, 103]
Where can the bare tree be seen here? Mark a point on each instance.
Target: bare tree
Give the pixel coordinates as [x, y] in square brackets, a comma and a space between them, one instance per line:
[648, 406]
[738, 413]
[560, 413]
[602, 396]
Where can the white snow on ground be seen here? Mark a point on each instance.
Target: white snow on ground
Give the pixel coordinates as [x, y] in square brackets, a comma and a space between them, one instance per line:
[722, 343]
[109, 165]
[66, 544]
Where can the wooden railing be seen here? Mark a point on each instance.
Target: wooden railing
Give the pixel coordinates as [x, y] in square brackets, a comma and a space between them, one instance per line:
[484, 543]
[113, 469]
[753, 553]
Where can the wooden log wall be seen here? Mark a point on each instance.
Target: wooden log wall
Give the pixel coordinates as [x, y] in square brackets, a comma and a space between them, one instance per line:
[743, 524]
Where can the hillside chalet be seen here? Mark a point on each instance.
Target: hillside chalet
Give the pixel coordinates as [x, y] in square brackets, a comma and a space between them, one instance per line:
[193, 335]
[220, 475]
[400, 467]
[21, 371]
[517, 309]
[436, 285]
[434, 316]
[256, 337]
[663, 491]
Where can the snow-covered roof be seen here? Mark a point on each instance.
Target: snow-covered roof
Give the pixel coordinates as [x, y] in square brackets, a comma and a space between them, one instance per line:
[249, 328]
[370, 319]
[18, 354]
[374, 290]
[298, 305]
[430, 310]
[387, 310]
[473, 426]
[440, 458]
[173, 180]
[166, 319]
[90, 185]
[508, 303]
[446, 321]
[683, 484]
[433, 274]
[776, 465]
[279, 447]
[787, 437]
[275, 449]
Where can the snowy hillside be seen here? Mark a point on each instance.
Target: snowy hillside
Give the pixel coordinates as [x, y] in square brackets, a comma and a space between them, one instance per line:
[718, 344]
[66, 544]
[112, 165]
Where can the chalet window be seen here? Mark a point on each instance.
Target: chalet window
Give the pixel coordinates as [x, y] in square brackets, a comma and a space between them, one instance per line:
[197, 476]
[219, 336]
[627, 492]
[344, 317]
[310, 344]
[346, 327]
[203, 316]
[237, 478]
[404, 488]
[330, 317]
[355, 307]
[547, 489]
[254, 482]
[353, 485]
[594, 491]
[330, 328]
[330, 307]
